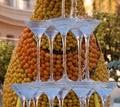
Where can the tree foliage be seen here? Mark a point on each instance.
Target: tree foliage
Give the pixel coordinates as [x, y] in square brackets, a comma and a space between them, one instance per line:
[108, 34]
[5, 55]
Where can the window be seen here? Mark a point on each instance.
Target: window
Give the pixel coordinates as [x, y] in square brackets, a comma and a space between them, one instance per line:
[10, 38]
[10, 2]
[27, 2]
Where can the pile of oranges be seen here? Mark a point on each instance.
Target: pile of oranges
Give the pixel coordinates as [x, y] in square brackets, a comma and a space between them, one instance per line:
[27, 53]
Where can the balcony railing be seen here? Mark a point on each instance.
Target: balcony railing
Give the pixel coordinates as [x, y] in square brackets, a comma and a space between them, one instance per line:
[19, 4]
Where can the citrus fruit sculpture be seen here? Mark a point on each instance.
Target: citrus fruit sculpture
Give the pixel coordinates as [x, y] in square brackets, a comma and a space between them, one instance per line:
[23, 64]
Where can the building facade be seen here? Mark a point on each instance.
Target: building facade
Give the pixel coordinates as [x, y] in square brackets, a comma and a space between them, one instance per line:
[13, 13]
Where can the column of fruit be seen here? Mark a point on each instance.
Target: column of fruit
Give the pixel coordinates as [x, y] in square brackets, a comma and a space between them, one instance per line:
[22, 67]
